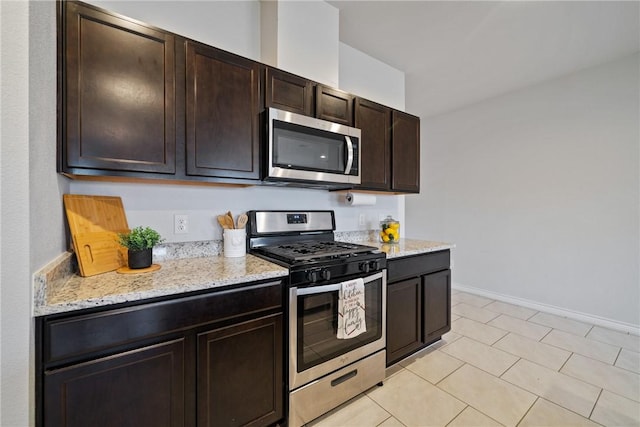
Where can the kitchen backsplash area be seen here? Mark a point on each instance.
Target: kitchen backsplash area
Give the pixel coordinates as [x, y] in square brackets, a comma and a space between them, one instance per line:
[155, 205]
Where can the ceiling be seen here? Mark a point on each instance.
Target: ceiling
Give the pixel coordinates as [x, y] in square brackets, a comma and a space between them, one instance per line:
[456, 53]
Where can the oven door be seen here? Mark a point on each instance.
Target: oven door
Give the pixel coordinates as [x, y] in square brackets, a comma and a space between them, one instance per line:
[314, 349]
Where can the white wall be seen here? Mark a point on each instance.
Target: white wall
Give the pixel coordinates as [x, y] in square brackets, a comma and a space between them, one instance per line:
[539, 189]
[30, 191]
[371, 78]
[303, 39]
[14, 192]
[156, 205]
[230, 25]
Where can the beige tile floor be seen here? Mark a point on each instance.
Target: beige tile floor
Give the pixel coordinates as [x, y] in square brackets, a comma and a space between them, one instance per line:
[506, 365]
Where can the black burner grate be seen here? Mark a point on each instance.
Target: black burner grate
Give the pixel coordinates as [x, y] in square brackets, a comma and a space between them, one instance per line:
[312, 250]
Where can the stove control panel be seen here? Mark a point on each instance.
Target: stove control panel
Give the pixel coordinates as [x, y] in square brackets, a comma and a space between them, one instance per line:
[368, 266]
[296, 218]
[318, 274]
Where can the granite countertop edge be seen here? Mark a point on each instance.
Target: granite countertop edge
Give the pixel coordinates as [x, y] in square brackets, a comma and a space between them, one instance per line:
[408, 247]
[57, 289]
[55, 295]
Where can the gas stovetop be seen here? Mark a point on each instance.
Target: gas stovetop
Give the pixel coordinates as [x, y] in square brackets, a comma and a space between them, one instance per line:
[304, 242]
[314, 250]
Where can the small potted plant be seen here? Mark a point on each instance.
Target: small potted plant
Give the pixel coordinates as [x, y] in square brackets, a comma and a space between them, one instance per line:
[140, 242]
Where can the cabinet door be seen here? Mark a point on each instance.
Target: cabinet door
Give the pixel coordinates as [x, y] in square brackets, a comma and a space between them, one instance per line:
[404, 319]
[437, 304]
[288, 92]
[374, 121]
[405, 143]
[223, 106]
[334, 105]
[240, 375]
[120, 94]
[143, 387]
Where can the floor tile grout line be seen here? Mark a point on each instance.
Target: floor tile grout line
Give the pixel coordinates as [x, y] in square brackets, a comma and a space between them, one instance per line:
[475, 409]
[565, 318]
[528, 410]
[584, 355]
[546, 335]
[528, 319]
[384, 409]
[566, 361]
[601, 387]
[436, 386]
[449, 374]
[457, 398]
[508, 382]
[541, 339]
[453, 419]
[620, 395]
[595, 403]
[550, 328]
[558, 403]
[571, 410]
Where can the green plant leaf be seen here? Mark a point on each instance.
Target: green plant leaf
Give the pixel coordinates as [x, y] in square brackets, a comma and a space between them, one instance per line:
[140, 238]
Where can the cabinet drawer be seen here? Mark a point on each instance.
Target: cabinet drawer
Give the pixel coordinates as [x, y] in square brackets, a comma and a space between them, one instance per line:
[68, 338]
[417, 265]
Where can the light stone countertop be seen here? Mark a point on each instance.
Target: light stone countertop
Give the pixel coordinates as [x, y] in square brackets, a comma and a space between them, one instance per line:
[57, 289]
[174, 277]
[408, 247]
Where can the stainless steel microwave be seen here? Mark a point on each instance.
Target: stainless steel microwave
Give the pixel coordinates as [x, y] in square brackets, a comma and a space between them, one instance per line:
[306, 150]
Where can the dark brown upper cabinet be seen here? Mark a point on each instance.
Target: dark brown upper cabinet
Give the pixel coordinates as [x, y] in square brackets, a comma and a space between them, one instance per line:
[223, 107]
[119, 94]
[334, 105]
[405, 144]
[137, 102]
[374, 121]
[288, 92]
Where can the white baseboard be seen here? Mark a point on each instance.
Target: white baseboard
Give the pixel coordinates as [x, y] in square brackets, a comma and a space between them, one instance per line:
[559, 311]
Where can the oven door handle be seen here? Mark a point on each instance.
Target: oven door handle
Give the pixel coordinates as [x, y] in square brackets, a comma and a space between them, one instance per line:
[311, 290]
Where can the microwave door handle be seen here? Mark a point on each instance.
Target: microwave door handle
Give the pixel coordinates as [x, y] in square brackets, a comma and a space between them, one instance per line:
[347, 169]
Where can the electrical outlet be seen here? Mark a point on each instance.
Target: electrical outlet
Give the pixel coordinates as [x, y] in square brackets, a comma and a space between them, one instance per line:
[180, 224]
[361, 220]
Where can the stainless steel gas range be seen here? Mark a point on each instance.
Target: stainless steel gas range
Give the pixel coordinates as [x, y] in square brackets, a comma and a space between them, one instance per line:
[337, 308]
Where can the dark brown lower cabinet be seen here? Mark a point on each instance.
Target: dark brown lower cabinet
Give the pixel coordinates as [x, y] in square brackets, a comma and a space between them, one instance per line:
[436, 301]
[249, 391]
[404, 318]
[213, 359]
[418, 303]
[143, 387]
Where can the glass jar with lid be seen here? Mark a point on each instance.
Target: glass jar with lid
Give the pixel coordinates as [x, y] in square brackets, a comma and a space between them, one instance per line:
[389, 230]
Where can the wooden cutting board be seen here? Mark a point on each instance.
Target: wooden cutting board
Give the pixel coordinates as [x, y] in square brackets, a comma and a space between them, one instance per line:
[94, 222]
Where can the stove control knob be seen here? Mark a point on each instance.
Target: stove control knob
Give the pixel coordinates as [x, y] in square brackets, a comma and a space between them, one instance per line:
[364, 267]
[375, 265]
[325, 274]
[312, 276]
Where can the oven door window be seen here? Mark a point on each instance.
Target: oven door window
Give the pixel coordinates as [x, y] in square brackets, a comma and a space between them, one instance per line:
[299, 147]
[317, 326]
